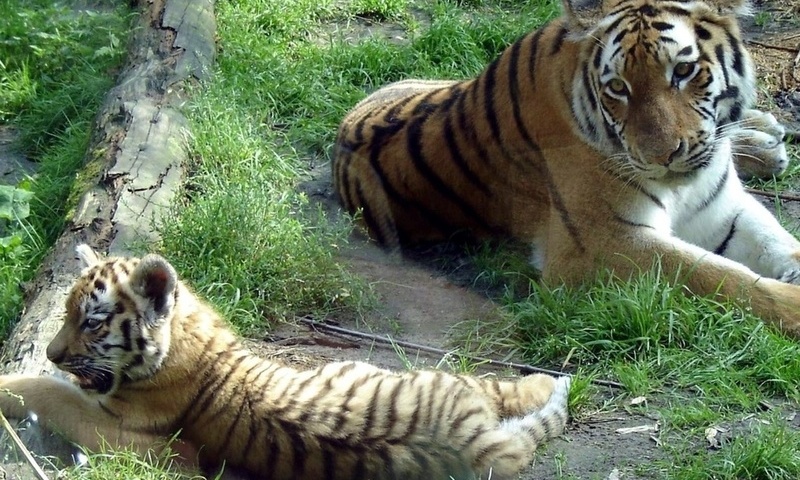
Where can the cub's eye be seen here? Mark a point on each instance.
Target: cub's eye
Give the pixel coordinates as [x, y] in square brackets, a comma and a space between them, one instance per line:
[683, 70]
[618, 87]
[91, 324]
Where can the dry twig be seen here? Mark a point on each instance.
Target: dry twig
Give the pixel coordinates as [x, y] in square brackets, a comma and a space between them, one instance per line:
[771, 46]
[325, 327]
[22, 448]
[781, 196]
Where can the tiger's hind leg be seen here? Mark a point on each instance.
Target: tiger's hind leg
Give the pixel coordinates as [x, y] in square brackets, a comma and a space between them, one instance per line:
[758, 145]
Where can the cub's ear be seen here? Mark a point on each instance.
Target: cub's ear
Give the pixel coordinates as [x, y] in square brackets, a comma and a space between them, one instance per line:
[583, 15]
[155, 279]
[86, 255]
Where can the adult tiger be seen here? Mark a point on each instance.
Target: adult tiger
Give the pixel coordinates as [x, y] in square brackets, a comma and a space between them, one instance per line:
[605, 139]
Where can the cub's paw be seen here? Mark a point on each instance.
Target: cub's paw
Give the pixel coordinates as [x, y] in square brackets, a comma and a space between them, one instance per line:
[11, 401]
[758, 145]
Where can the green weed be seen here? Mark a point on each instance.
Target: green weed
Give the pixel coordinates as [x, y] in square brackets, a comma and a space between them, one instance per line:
[56, 64]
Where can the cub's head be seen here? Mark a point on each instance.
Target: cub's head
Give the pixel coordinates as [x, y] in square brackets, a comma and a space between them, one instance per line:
[117, 325]
[659, 82]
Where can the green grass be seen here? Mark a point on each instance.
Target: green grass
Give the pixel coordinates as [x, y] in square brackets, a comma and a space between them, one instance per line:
[56, 65]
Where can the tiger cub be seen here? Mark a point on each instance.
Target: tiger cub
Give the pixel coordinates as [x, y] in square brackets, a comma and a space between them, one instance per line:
[607, 139]
[150, 359]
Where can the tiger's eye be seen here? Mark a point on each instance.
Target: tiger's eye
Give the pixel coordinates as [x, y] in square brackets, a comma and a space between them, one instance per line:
[683, 69]
[618, 87]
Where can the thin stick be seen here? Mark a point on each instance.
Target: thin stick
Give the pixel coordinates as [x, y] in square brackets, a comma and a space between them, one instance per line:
[22, 448]
[438, 351]
[782, 196]
[774, 47]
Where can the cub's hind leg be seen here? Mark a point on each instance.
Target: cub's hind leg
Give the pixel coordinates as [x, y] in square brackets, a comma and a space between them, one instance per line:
[758, 148]
[505, 450]
[513, 398]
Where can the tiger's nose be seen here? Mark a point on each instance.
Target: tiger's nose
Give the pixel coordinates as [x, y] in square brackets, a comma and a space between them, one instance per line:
[677, 152]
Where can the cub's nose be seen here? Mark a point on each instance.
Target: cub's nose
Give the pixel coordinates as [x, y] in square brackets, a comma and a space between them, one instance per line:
[56, 354]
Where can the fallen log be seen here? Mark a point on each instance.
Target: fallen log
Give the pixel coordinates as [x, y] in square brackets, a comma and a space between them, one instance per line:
[137, 152]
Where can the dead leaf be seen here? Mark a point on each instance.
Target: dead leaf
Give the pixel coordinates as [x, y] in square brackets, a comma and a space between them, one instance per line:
[711, 437]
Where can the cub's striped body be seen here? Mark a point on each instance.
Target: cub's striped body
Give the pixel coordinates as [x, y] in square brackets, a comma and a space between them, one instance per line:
[151, 360]
[608, 138]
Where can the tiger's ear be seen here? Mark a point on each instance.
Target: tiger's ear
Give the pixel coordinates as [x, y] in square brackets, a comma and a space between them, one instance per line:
[583, 15]
[155, 279]
[86, 255]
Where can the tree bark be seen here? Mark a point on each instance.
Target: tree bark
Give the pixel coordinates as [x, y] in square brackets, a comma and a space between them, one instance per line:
[138, 151]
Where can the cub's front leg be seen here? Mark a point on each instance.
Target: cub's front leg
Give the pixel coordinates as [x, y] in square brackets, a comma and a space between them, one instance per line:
[64, 408]
[758, 145]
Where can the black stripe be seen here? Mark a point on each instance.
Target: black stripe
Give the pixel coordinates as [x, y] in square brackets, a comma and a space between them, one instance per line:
[513, 80]
[720, 250]
[559, 40]
[723, 180]
[457, 155]
[639, 187]
[738, 58]
[532, 57]
[558, 203]
[391, 415]
[414, 144]
[468, 127]
[210, 393]
[371, 410]
[677, 11]
[381, 134]
[241, 390]
[630, 223]
[613, 26]
[662, 26]
[254, 427]
[329, 468]
[274, 453]
[300, 453]
[125, 326]
[488, 99]
[702, 33]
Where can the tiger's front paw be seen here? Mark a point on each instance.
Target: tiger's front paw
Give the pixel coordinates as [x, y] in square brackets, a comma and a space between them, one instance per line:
[791, 276]
[758, 145]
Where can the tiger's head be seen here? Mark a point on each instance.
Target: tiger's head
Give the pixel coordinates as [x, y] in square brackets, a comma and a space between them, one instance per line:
[660, 82]
[117, 324]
